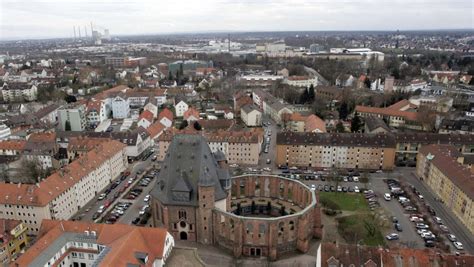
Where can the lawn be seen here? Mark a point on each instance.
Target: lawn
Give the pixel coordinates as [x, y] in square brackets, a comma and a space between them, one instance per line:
[345, 201]
[360, 228]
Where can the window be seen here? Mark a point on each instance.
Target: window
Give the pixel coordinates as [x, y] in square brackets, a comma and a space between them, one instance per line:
[182, 214]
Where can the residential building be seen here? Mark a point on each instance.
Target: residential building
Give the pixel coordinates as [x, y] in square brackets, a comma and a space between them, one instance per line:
[166, 117]
[12, 147]
[461, 126]
[191, 115]
[48, 114]
[180, 108]
[271, 106]
[5, 132]
[74, 243]
[338, 254]
[323, 150]
[314, 124]
[96, 112]
[145, 119]
[251, 115]
[13, 240]
[19, 91]
[400, 114]
[441, 104]
[120, 107]
[301, 81]
[65, 192]
[294, 122]
[152, 107]
[408, 145]
[155, 130]
[72, 117]
[42, 148]
[441, 168]
[375, 125]
[239, 147]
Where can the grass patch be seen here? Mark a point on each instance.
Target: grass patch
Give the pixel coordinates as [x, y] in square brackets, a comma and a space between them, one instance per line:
[345, 201]
[365, 227]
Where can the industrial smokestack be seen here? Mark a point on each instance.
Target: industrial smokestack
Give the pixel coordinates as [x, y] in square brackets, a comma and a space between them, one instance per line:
[74, 27]
[79, 28]
[85, 31]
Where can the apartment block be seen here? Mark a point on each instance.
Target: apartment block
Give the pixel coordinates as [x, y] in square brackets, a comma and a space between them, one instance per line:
[239, 147]
[72, 118]
[62, 194]
[323, 150]
[78, 244]
[442, 168]
[12, 240]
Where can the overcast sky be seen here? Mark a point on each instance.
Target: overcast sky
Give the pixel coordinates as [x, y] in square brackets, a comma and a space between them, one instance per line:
[53, 18]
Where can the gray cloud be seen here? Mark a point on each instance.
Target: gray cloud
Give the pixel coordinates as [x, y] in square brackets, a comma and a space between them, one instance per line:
[55, 18]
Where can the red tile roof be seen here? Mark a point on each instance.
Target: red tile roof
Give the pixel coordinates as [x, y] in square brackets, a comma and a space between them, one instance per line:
[18, 145]
[411, 116]
[314, 122]
[147, 115]
[122, 240]
[166, 113]
[191, 112]
[155, 129]
[60, 181]
[445, 159]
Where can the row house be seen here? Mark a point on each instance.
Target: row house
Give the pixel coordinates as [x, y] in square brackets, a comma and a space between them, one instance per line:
[19, 91]
[323, 150]
[66, 191]
[239, 147]
[73, 243]
[442, 168]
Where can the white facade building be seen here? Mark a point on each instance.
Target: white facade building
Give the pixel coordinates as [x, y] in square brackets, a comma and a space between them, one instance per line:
[120, 108]
[180, 108]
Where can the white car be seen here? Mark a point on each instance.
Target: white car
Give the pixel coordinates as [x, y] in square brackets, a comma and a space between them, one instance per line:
[387, 196]
[458, 245]
[313, 187]
[416, 219]
[356, 189]
[438, 220]
[147, 198]
[356, 178]
[102, 196]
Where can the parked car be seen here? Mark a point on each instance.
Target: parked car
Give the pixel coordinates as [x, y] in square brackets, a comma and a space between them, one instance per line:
[458, 245]
[452, 238]
[102, 196]
[136, 220]
[392, 236]
[429, 243]
[398, 227]
[444, 228]
[438, 220]
[356, 189]
[422, 226]
[387, 196]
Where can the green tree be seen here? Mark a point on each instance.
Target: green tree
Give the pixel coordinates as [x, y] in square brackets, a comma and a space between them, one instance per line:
[356, 124]
[197, 126]
[340, 127]
[183, 125]
[311, 93]
[304, 98]
[343, 111]
[67, 126]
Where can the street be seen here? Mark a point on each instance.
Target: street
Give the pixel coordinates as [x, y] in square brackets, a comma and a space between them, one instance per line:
[87, 212]
[449, 219]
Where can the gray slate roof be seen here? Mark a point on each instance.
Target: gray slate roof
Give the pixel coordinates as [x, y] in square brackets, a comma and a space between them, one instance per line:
[188, 164]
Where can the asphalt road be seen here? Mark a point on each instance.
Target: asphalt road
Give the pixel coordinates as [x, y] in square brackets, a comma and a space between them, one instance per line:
[86, 212]
[408, 236]
[449, 219]
[132, 212]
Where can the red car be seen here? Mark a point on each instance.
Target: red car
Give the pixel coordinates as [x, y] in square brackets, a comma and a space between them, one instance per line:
[107, 204]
